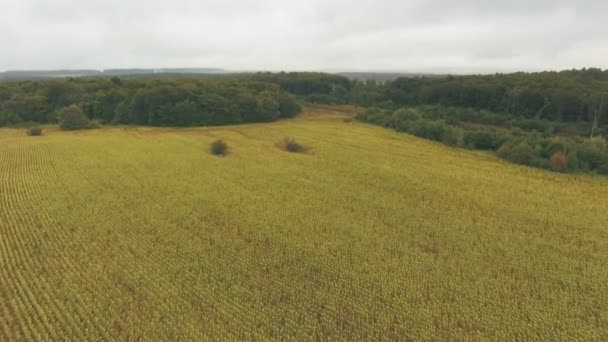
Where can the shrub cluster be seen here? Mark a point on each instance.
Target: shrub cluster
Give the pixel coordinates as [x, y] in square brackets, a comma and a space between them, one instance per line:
[34, 131]
[289, 144]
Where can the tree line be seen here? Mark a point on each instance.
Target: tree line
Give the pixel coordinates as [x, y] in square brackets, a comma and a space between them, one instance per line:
[573, 97]
[569, 96]
[156, 102]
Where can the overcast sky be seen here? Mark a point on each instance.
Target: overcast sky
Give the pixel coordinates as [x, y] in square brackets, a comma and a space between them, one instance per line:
[393, 35]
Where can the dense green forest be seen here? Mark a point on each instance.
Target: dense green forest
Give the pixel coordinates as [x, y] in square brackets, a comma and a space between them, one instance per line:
[565, 96]
[552, 120]
[156, 102]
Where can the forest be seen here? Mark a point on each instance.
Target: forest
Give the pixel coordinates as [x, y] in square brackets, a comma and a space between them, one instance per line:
[156, 102]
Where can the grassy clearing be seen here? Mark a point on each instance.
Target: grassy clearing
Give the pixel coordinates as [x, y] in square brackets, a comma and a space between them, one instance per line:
[135, 233]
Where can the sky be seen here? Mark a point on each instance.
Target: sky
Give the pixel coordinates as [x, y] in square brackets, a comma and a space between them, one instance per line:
[465, 36]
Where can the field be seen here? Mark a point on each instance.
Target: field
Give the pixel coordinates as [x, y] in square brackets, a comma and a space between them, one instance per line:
[140, 233]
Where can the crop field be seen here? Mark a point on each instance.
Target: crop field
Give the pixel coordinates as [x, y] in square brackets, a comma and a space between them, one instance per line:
[134, 233]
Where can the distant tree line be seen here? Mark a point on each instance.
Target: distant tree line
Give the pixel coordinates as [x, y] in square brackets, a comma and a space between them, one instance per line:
[568, 96]
[575, 100]
[177, 102]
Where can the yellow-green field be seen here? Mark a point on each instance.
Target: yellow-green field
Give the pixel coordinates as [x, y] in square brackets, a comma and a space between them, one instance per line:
[139, 233]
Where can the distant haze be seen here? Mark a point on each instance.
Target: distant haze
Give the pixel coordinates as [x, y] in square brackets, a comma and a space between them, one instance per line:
[433, 36]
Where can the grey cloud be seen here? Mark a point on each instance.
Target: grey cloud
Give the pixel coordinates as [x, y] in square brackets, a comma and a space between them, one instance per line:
[408, 35]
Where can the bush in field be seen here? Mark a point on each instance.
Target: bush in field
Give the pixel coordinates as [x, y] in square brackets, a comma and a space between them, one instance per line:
[558, 162]
[72, 118]
[289, 144]
[34, 131]
[219, 148]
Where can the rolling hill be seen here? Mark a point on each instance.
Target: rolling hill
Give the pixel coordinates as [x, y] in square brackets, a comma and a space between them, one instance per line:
[140, 233]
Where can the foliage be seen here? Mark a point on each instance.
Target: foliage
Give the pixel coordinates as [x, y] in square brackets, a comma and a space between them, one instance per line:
[34, 131]
[156, 102]
[288, 106]
[72, 118]
[559, 162]
[289, 144]
[219, 148]
[558, 96]
[8, 119]
[316, 87]
[484, 139]
[517, 151]
[592, 154]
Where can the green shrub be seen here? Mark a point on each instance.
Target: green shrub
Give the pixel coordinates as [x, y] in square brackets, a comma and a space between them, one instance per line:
[406, 114]
[289, 144]
[324, 99]
[539, 125]
[8, 119]
[377, 116]
[517, 151]
[288, 106]
[592, 154]
[482, 139]
[434, 130]
[219, 148]
[72, 118]
[451, 136]
[95, 123]
[517, 132]
[405, 119]
[34, 131]
[603, 169]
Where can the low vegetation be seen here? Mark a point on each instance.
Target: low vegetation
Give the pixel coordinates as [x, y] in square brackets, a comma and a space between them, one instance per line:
[219, 148]
[134, 234]
[34, 131]
[290, 144]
